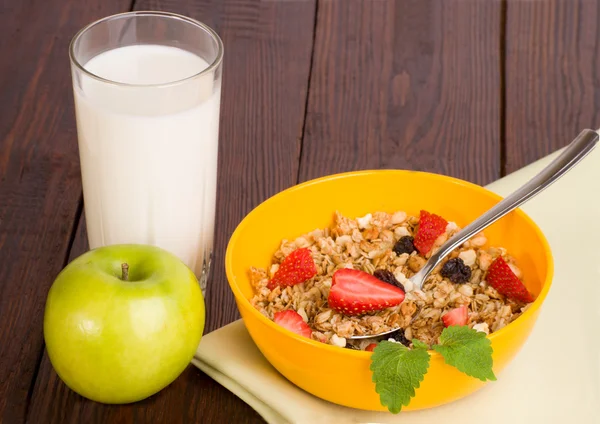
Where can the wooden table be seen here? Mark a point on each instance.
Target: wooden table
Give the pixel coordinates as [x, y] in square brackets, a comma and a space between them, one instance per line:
[470, 88]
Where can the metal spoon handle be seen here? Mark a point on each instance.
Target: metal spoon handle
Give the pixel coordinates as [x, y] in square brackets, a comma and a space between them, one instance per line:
[575, 152]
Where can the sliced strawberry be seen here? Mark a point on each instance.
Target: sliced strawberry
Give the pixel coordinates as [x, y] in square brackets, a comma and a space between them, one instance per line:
[431, 226]
[296, 268]
[371, 347]
[503, 279]
[292, 321]
[355, 292]
[456, 316]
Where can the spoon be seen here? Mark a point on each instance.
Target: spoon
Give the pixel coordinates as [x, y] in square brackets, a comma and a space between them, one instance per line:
[571, 156]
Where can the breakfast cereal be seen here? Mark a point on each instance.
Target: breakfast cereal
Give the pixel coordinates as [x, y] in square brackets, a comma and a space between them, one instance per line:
[354, 279]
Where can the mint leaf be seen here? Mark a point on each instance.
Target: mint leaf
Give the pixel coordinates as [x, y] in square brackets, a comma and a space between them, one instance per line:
[418, 344]
[397, 372]
[468, 350]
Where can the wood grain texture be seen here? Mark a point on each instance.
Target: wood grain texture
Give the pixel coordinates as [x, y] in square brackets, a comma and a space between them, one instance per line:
[268, 46]
[405, 84]
[39, 177]
[552, 76]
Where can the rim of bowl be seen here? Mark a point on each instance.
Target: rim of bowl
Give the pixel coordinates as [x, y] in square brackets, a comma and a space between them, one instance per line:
[239, 295]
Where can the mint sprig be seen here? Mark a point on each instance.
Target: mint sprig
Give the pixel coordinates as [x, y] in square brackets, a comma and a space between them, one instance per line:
[397, 371]
[468, 350]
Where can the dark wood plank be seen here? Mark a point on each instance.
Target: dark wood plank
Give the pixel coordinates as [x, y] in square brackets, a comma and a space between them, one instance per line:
[405, 84]
[267, 58]
[39, 177]
[552, 71]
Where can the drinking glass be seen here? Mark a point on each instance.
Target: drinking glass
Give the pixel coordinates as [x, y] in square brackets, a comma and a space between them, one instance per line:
[147, 91]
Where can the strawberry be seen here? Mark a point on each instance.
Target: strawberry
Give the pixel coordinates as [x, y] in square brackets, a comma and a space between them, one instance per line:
[296, 268]
[456, 316]
[371, 347]
[355, 292]
[292, 321]
[431, 226]
[503, 279]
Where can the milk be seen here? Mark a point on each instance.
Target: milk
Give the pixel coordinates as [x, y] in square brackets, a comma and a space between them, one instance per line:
[149, 154]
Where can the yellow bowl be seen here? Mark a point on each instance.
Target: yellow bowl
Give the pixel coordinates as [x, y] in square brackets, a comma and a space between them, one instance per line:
[342, 376]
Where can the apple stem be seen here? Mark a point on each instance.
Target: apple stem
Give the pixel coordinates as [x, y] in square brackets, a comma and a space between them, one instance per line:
[125, 271]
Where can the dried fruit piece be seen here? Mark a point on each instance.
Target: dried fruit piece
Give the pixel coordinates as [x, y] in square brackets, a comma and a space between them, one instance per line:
[399, 337]
[292, 321]
[456, 316]
[456, 271]
[355, 292]
[431, 226]
[296, 268]
[404, 245]
[504, 280]
[388, 277]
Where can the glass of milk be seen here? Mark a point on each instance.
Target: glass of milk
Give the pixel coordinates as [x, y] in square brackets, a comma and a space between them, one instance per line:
[147, 90]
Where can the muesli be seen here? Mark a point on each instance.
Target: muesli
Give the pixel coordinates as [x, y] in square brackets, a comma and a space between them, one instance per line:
[353, 279]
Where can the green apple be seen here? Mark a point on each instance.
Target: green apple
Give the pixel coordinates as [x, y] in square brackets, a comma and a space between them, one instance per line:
[122, 322]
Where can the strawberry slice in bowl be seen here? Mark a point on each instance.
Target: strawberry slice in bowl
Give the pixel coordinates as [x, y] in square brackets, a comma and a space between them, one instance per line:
[371, 347]
[296, 268]
[501, 277]
[457, 316]
[355, 292]
[291, 320]
[431, 226]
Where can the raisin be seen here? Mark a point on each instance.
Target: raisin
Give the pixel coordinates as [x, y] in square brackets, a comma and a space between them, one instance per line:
[456, 271]
[399, 337]
[387, 277]
[404, 245]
